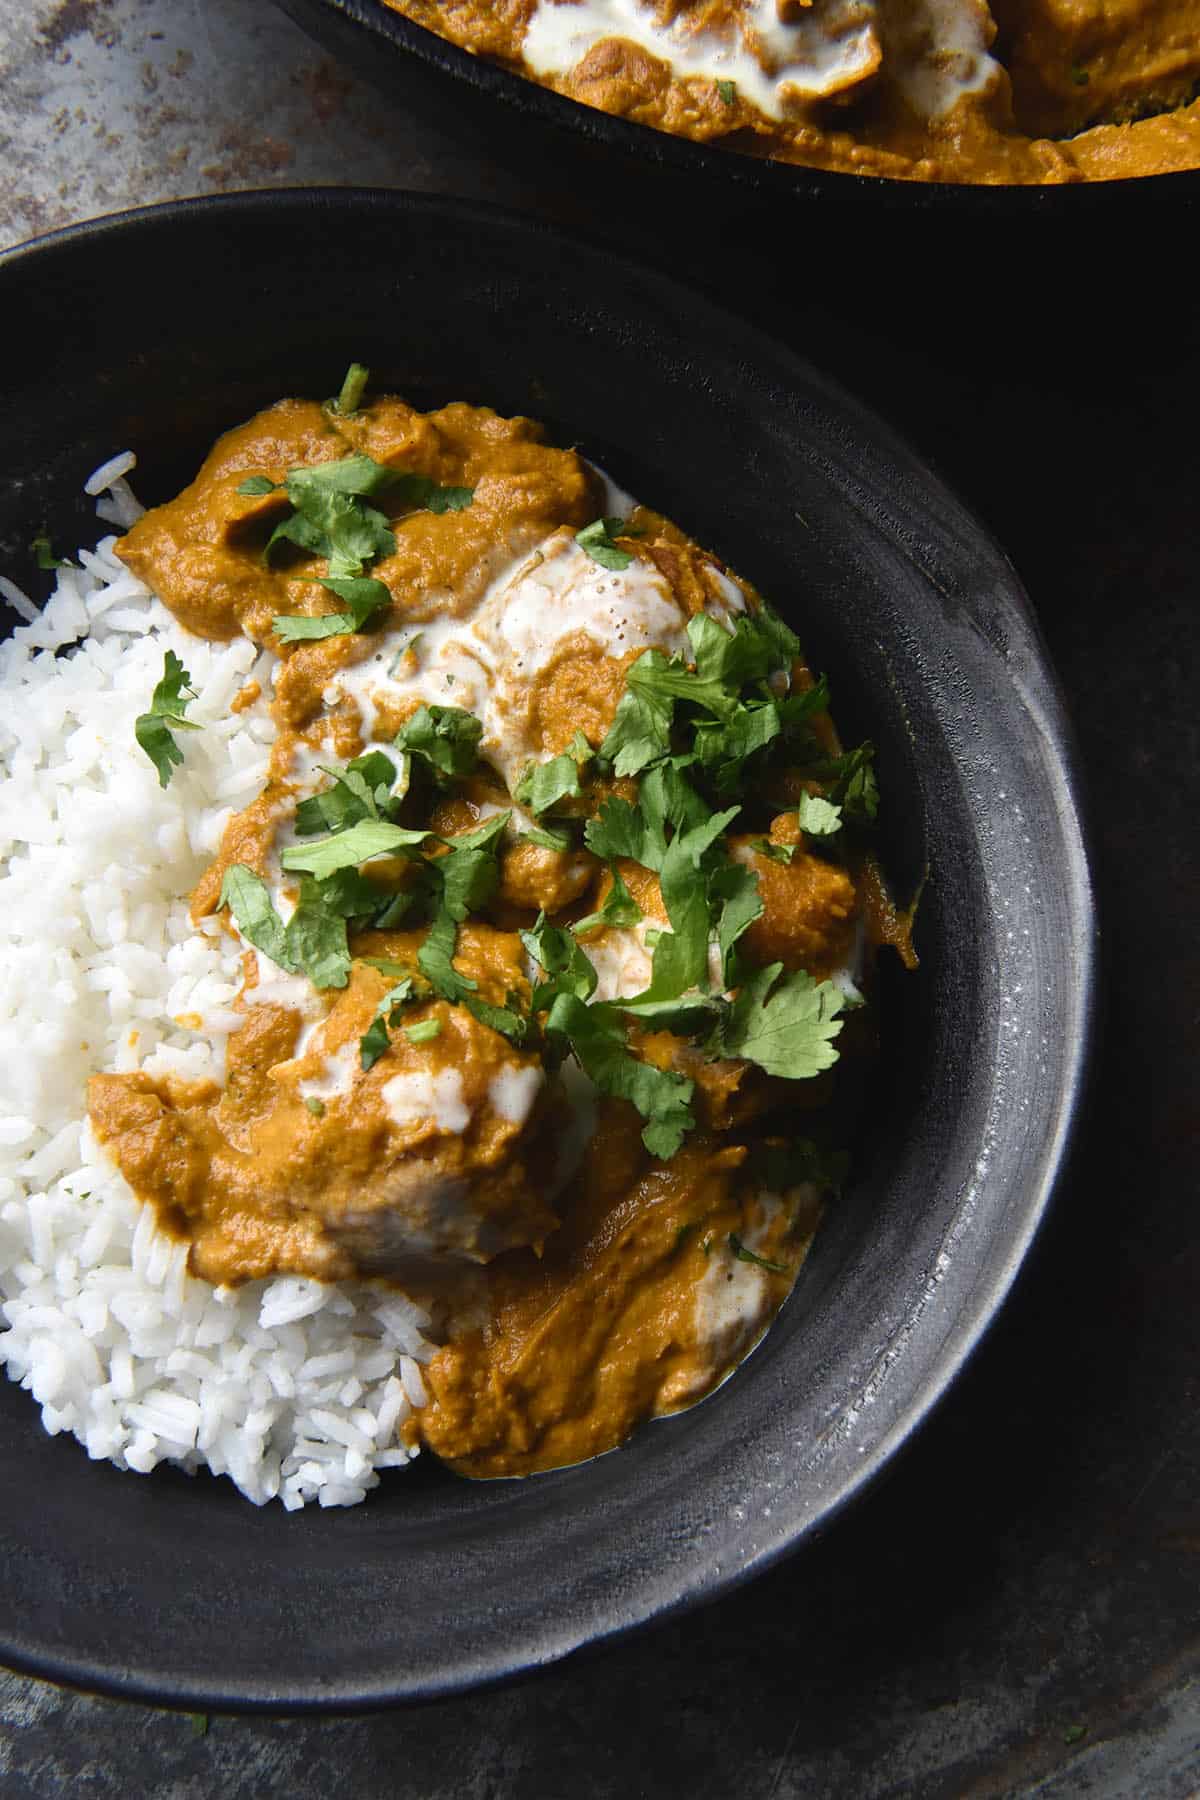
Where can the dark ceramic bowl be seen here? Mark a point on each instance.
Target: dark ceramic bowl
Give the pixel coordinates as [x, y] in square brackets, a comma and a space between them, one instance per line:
[515, 120]
[157, 329]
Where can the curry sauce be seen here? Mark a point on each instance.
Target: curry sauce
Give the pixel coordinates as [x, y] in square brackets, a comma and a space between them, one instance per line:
[1020, 91]
[527, 981]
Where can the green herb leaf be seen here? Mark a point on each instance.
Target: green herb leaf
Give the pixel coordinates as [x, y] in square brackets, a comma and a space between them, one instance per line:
[728, 92]
[370, 837]
[316, 1107]
[423, 1031]
[364, 789]
[315, 936]
[374, 1042]
[733, 890]
[787, 1027]
[445, 737]
[363, 596]
[331, 517]
[598, 1040]
[167, 706]
[44, 556]
[249, 900]
[556, 951]
[508, 1020]
[640, 732]
[545, 839]
[435, 958]
[543, 785]
[424, 495]
[598, 540]
[470, 871]
[751, 1256]
[354, 386]
[617, 909]
[817, 817]
[257, 484]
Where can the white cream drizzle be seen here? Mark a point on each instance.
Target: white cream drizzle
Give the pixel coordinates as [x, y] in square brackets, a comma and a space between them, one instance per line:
[418, 1095]
[513, 1091]
[833, 46]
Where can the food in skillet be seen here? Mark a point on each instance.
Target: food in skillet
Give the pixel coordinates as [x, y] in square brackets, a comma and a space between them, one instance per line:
[542, 910]
[925, 90]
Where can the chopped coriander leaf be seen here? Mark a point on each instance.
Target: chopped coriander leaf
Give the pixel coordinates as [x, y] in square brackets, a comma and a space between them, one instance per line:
[331, 517]
[851, 782]
[618, 908]
[508, 1020]
[444, 737]
[734, 893]
[423, 1031]
[257, 484]
[728, 92]
[751, 1256]
[787, 1027]
[597, 539]
[364, 789]
[436, 959]
[353, 388]
[597, 1038]
[374, 1041]
[316, 1107]
[681, 954]
[424, 495]
[363, 596]
[370, 837]
[569, 969]
[640, 732]
[44, 556]
[394, 971]
[780, 853]
[167, 706]
[315, 935]
[249, 900]
[685, 1015]
[470, 871]
[817, 817]
[544, 784]
[545, 839]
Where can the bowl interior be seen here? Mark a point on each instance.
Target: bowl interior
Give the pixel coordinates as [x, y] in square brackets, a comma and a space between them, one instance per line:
[154, 333]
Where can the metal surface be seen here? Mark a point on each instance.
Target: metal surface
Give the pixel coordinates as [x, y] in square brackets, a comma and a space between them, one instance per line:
[1015, 1611]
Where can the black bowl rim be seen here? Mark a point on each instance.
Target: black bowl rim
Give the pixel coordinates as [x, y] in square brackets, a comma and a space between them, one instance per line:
[1041, 694]
[769, 180]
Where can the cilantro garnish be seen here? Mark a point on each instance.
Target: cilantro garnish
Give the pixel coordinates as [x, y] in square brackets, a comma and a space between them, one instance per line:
[618, 908]
[543, 785]
[785, 1026]
[357, 844]
[569, 969]
[374, 1041]
[330, 516]
[363, 596]
[598, 1041]
[728, 92]
[316, 1107]
[744, 1254]
[423, 1031]
[249, 900]
[546, 839]
[44, 556]
[364, 789]
[167, 706]
[444, 737]
[354, 386]
[598, 539]
[817, 817]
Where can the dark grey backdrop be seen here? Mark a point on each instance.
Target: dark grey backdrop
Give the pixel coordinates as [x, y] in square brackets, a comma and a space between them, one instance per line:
[1015, 1610]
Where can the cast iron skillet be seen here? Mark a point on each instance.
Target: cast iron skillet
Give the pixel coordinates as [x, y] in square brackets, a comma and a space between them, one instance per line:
[156, 329]
[545, 134]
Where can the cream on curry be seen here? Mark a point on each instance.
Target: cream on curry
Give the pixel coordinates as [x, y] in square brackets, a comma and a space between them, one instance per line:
[434, 1082]
[925, 90]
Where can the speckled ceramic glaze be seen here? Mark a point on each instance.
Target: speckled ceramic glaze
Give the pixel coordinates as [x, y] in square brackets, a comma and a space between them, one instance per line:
[154, 331]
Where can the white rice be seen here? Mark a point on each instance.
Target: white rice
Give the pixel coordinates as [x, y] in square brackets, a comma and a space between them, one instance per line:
[294, 1389]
